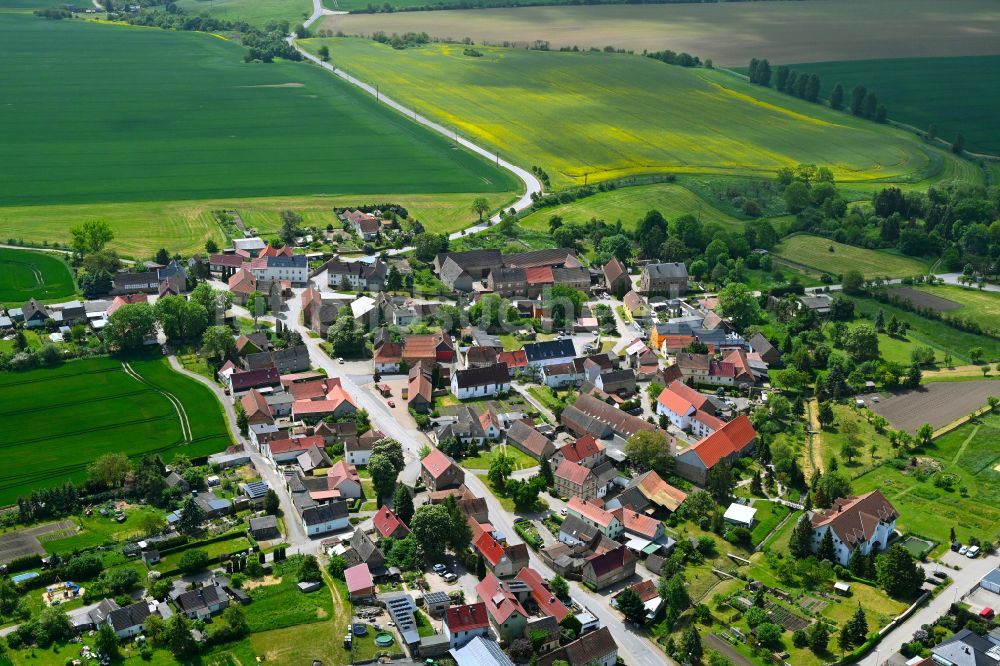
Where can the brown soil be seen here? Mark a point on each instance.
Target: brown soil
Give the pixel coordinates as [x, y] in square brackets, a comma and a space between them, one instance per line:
[263, 582]
[921, 299]
[939, 403]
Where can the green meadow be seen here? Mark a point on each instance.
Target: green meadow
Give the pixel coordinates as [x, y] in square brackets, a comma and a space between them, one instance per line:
[257, 12]
[958, 95]
[85, 408]
[25, 275]
[597, 116]
[829, 256]
[99, 114]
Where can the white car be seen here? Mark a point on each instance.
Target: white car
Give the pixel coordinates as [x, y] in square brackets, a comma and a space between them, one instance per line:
[973, 551]
[963, 550]
[450, 577]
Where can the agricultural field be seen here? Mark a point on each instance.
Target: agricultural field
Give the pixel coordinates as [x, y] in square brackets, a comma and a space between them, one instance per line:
[930, 499]
[730, 33]
[938, 403]
[957, 95]
[192, 121]
[829, 256]
[40, 275]
[88, 407]
[141, 228]
[256, 12]
[597, 116]
[629, 204]
[964, 302]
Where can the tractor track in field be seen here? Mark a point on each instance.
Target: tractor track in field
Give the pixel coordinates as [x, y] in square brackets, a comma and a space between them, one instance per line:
[178, 406]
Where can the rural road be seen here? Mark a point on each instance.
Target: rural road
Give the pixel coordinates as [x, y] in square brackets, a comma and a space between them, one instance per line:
[531, 184]
[949, 278]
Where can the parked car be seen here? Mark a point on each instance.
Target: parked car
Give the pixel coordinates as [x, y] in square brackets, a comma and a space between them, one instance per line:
[963, 550]
[450, 577]
[391, 403]
[940, 574]
[972, 552]
[439, 568]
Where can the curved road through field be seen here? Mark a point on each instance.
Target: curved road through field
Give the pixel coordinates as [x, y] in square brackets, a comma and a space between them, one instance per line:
[532, 185]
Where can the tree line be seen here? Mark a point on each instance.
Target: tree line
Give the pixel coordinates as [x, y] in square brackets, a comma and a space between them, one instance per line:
[863, 103]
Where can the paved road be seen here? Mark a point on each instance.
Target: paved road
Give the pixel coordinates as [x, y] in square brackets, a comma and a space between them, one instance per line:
[634, 648]
[297, 539]
[970, 573]
[949, 278]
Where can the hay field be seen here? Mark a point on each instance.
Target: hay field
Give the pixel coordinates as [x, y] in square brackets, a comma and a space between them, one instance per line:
[729, 32]
[629, 204]
[256, 12]
[958, 95]
[984, 306]
[815, 252]
[99, 114]
[141, 228]
[599, 116]
[59, 420]
[25, 275]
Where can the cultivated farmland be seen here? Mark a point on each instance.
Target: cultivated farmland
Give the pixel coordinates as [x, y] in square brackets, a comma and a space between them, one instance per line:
[257, 12]
[983, 306]
[629, 204]
[177, 116]
[729, 32]
[59, 420]
[25, 275]
[829, 256]
[596, 116]
[957, 95]
[923, 300]
[938, 403]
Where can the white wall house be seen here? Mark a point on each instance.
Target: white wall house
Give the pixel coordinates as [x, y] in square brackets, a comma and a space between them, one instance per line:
[480, 382]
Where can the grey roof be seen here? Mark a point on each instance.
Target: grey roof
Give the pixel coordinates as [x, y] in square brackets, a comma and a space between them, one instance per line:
[284, 261]
[401, 607]
[436, 597]
[624, 375]
[129, 616]
[451, 272]
[581, 422]
[490, 374]
[577, 529]
[480, 652]
[365, 547]
[33, 308]
[965, 648]
[472, 260]
[324, 513]
[312, 458]
[667, 270]
[203, 597]
[992, 577]
[256, 489]
[263, 523]
[507, 275]
[550, 349]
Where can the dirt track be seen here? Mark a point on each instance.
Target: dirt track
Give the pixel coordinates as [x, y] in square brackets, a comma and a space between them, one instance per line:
[939, 403]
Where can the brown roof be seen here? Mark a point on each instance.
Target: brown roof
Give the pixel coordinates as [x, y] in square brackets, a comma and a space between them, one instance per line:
[619, 421]
[693, 361]
[529, 438]
[572, 472]
[255, 403]
[854, 519]
[613, 270]
[436, 463]
[658, 491]
[610, 561]
[582, 448]
[633, 300]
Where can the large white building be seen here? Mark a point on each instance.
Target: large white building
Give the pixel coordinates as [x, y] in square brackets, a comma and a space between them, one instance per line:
[480, 382]
[862, 523]
[294, 268]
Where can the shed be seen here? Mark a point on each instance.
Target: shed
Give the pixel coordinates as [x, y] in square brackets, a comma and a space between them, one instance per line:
[842, 588]
[741, 515]
[436, 602]
[991, 581]
[310, 586]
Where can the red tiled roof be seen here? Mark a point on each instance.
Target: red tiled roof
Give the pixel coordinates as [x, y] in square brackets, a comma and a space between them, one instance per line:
[340, 472]
[854, 519]
[500, 603]
[390, 352]
[646, 590]
[710, 421]
[358, 578]
[387, 522]
[582, 448]
[254, 403]
[127, 299]
[674, 402]
[636, 522]
[538, 275]
[572, 472]
[490, 548]
[547, 602]
[659, 491]
[466, 617]
[730, 438]
[436, 463]
[610, 561]
[270, 251]
[513, 359]
[231, 260]
[595, 513]
[295, 444]
[242, 282]
[697, 399]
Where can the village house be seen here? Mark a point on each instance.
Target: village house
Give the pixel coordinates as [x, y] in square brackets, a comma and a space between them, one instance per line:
[315, 400]
[439, 472]
[606, 569]
[480, 382]
[128, 620]
[559, 375]
[516, 360]
[864, 523]
[203, 602]
[360, 583]
[388, 524]
[646, 492]
[472, 426]
[688, 409]
[639, 525]
[323, 518]
[590, 416]
[733, 440]
[356, 275]
[264, 528]
[616, 278]
[255, 407]
[358, 450]
[293, 268]
[604, 521]
[242, 284]
[287, 360]
[343, 479]
[464, 622]
[595, 648]
[224, 265]
[528, 440]
[480, 357]
[585, 451]
[763, 348]
[636, 305]
[420, 387]
[550, 352]
[431, 347]
[506, 614]
[667, 279]
[241, 382]
[504, 561]
[388, 357]
[362, 550]
[576, 480]
[458, 270]
[280, 451]
[618, 382]
[542, 596]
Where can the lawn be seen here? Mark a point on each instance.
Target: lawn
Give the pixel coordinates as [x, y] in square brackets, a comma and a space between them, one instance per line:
[88, 407]
[768, 516]
[833, 438]
[237, 544]
[283, 605]
[983, 306]
[968, 456]
[483, 460]
[192, 121]
[931, 332]
[588, 117]
[25, 275]
[730, 33]
[630, 204]
[548, 397]
[256, 12]
[911, 90]
[829, 256]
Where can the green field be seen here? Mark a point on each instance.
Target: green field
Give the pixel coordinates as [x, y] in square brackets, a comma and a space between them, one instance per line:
[257, 12]
[969, 455]
[597, 116]
[59, 420]
[141, 228]
[815, 252]
[958, 95]
[25, 275]
[728, 32]
[984, 306]
[181, 117]
[629, 204]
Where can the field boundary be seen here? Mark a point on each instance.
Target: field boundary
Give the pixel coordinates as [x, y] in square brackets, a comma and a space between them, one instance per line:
[186, 437]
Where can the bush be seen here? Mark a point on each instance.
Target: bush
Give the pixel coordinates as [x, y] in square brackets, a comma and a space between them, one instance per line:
[192, 560]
